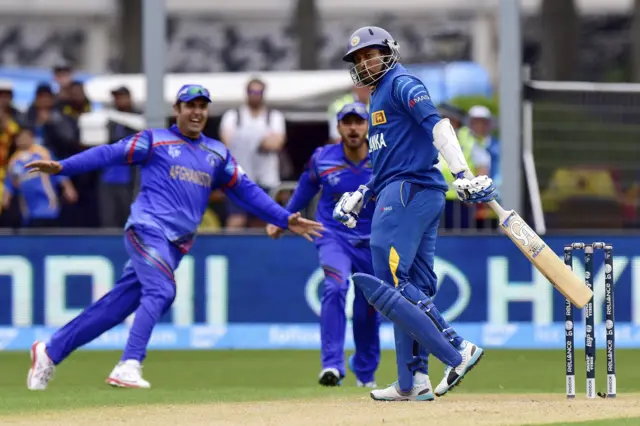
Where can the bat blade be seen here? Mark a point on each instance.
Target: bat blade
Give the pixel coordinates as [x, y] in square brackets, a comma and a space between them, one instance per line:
[542, 257]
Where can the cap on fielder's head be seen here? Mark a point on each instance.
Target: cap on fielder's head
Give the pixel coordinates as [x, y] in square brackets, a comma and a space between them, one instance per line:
[480, 111]
[189, 92]
[355, 108]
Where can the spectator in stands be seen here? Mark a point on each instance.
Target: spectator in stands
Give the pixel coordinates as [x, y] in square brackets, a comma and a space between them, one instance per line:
[62, 138]
[63, 77]
[486, 146]
[485, 154]
[78, 102]
[357, 94]
[458, 215]
[255, 135]
[117, 182]
[38, 192]
[455, 115]
[6, 101]
[9, 128]
[39, 112]
[57, 132]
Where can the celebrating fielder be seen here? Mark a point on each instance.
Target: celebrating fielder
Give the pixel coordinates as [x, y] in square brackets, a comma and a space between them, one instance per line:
[339, 168]
[405, 134]
[179, 167]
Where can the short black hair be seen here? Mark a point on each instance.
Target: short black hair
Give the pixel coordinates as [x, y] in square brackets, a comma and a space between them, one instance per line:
[44, 88]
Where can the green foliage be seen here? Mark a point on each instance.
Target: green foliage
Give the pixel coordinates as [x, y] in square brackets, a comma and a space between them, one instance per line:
[466, 102]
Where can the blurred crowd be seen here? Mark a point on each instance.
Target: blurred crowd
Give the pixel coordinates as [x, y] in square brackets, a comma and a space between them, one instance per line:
[255, 133]
[49, 129]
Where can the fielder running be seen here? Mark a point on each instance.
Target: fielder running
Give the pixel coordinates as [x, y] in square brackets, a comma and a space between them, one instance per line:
[179, 167]
[405, 134]
[336, 169]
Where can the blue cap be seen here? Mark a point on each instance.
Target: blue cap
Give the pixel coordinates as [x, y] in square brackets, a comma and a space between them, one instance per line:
[189, 92]
[355, 108]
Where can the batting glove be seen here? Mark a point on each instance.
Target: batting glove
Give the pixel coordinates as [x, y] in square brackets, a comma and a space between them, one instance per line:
[480, 189]
[348, 207]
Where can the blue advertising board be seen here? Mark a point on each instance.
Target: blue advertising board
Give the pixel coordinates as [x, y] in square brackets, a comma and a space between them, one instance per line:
[247, 292]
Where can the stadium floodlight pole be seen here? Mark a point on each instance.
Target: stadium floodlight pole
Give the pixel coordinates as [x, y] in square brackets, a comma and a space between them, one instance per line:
[510, 89]
[154, 24]
[154, 33]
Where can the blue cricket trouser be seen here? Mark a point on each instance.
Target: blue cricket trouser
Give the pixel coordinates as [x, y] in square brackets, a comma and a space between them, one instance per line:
[403, 241]
[146, 287]
[339, 259]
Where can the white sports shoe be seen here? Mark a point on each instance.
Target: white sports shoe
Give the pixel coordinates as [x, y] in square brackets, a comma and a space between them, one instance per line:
[421, 391]
[128, 374]
[471, 355]
[370, 385]
[42, 368]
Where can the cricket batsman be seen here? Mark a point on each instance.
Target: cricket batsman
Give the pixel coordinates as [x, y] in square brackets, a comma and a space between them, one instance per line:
[179, 167]
[333, 170]
[405, 135]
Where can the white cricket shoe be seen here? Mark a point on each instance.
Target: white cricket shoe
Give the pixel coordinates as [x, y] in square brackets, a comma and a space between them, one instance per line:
[42, 368]
[128, 374]
[370, 385]
[471, 355]
[330, 377]
[421, 391]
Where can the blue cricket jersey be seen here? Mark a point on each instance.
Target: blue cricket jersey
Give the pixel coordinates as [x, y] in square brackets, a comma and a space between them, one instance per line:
[118, 175]
[37, 192]
[177, 175]
[329, 169]
[400, 132]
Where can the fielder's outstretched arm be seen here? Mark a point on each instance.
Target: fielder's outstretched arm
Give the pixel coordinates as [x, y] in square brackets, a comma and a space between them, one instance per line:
[249, 196]
[307, 188]
[132, 150]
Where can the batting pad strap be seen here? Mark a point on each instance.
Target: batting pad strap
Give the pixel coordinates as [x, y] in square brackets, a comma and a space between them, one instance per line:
[407, 316]
[425, 304]
[450, 334]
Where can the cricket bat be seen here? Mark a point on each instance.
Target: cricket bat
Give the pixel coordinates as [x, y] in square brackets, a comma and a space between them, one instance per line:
[542, 257]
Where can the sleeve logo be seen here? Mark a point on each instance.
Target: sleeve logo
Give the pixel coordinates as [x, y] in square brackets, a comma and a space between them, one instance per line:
[414, 101]
[378, 118]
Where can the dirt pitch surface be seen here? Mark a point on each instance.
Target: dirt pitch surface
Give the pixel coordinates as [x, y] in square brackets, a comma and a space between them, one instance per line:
[472, 410]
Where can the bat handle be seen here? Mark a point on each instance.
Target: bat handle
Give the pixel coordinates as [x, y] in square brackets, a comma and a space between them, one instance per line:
[496, 207]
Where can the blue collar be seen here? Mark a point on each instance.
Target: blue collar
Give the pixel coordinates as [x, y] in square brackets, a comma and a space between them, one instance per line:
[174, 129]
[398, 69]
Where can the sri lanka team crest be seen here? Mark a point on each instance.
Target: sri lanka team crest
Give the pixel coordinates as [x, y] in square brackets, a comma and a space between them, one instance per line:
[378, 118]
[354, 41]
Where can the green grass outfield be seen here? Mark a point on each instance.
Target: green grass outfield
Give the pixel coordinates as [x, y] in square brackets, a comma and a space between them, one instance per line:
[233, 376]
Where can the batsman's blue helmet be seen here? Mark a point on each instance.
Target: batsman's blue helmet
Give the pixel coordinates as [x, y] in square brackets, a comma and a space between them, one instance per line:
[368, 72]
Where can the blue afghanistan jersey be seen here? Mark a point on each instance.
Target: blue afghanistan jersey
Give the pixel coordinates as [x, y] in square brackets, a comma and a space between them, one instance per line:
[400, 132]
[332, 172]
[37, 192]
[177, 175]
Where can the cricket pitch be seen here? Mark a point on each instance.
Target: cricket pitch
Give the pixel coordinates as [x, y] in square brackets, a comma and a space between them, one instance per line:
[472, 410]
